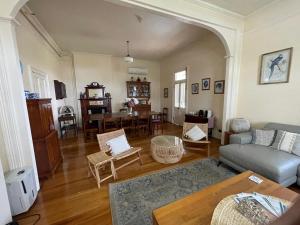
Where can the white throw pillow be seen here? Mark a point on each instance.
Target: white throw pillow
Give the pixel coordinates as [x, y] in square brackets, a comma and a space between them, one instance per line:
[118, 145]
[195, 133]
[288, 142]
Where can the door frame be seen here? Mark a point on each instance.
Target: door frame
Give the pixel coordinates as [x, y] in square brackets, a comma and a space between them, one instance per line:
[173, 91]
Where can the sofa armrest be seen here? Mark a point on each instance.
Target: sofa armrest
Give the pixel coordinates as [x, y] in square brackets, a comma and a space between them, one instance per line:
[242, 138]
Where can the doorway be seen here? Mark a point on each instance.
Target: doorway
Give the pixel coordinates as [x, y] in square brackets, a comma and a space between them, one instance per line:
[180, 97]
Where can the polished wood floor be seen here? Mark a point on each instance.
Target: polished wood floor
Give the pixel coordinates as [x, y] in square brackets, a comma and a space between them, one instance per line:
[71, 197]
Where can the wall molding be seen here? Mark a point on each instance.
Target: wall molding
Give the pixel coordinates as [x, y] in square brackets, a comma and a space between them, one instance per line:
[31, 18]
[9, 19]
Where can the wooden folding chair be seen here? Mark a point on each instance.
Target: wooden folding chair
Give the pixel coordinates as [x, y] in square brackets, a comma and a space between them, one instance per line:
[204, 128]
[102, 140]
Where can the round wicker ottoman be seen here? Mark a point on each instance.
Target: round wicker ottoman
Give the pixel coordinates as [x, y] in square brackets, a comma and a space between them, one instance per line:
[166, 149]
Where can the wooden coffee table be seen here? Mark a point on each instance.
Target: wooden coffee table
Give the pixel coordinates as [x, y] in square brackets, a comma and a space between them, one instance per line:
[198, 208]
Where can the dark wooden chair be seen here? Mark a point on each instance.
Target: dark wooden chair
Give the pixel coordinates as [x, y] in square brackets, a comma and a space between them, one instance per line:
[123, 110]
[143, 123]
[157, 121]
[90, 129]
[111, 124]
[127, 123]
[165, 114]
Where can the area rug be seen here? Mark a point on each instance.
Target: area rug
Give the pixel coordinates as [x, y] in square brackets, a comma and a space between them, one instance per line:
[132, 201]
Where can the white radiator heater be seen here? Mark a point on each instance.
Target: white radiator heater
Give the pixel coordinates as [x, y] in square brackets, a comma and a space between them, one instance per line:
[21, 189]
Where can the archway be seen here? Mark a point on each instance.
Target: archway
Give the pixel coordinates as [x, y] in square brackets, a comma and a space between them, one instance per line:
[16, 138]
[229, 36]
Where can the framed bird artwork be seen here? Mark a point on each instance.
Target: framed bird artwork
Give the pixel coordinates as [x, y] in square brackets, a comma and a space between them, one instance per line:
[275, 66]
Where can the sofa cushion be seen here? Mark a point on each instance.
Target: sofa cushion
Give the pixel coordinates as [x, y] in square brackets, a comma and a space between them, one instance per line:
[275, 165]
[263, 137]
[241, 138]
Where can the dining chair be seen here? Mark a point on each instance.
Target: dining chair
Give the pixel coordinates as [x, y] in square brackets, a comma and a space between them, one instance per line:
[156, 122]
[127, 123]
[165, 114]
[111, 123]
[143, 123]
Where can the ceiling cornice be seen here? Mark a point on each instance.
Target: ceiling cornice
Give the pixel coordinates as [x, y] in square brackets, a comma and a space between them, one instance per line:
[216, 8]
[31, 18]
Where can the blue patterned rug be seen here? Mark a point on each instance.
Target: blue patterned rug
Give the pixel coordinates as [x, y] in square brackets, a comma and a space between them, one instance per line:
[132, 201]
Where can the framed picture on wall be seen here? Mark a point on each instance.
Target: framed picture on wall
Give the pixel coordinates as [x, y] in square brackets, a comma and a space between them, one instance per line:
[205, 84]
[195, 88]
[166, 92]
[275, 66]
[219, 86]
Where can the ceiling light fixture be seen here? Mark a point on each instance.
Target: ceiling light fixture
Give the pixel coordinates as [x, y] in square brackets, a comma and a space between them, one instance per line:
[128, 58]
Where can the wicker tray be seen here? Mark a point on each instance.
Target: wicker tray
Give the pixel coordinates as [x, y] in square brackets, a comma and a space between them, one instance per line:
[226, 214]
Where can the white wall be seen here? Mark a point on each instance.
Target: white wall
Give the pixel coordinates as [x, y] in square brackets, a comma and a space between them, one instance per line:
[112, 73]
[272, 28]
[36, 53]
[203, 59]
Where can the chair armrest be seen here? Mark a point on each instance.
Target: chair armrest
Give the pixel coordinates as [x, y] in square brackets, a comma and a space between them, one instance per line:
[242, 138]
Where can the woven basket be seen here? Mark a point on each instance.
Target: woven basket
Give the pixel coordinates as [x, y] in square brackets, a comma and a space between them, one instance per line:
[167, 153]
[226, 214]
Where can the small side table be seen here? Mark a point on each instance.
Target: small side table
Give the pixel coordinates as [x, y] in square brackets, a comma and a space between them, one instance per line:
[65, 126]
[227, 137]
[98, 160]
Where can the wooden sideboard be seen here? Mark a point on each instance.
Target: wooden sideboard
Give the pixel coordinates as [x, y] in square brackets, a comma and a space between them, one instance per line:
[195, 119]
[45, 137]
[142, 108]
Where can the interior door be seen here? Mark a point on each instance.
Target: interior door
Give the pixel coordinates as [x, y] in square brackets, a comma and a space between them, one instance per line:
[40, 83]
[179, 97]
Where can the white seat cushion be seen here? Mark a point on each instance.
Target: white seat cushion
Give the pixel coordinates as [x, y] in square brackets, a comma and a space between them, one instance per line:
[195, 133]
[118, 145]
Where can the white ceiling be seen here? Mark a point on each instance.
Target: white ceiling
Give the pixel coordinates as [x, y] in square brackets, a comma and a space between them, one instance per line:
[243, 7]
[102, 27]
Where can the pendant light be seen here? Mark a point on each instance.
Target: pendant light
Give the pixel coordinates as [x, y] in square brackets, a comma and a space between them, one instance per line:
[128, 58]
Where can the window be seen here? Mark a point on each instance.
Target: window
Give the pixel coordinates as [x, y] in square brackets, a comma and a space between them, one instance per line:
[182, 95]
[180, 75]
[180, 89]
[177, 99]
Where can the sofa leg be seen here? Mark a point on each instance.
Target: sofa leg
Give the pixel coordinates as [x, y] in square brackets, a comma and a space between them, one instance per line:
[219, 163]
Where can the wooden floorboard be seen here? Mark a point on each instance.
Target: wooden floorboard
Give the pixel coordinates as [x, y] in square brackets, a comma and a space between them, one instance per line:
[71, 197]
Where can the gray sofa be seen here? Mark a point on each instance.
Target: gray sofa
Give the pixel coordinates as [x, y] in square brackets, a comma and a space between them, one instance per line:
[279, 166]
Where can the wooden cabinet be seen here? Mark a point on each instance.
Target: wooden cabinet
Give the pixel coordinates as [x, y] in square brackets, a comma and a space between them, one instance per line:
[141, 91]
[138, 89]
[44, 136]
[40, 116]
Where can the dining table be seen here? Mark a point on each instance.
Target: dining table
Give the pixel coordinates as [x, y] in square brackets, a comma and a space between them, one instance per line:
[99, 117]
